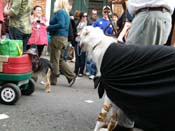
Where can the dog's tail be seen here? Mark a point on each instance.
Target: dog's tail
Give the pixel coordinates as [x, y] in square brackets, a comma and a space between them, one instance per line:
[45, 64]
[52, 70]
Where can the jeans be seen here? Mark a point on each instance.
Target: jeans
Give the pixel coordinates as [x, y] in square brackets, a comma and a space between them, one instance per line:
[91, 67]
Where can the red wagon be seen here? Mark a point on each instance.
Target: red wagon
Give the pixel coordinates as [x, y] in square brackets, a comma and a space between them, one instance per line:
[15, 78]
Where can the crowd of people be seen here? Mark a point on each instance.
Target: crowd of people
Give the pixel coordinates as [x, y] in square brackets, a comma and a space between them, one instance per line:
[27, 23]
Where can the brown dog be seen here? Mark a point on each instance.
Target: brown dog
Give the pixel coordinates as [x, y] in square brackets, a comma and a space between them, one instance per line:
[41, 66]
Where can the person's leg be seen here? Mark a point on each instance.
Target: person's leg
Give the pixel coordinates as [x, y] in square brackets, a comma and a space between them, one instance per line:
[18, 35]
[169, 41]
[66, 51]
[173, 37]
[73, 58]
[25, 41]
[40, 49]
[54, 59]
[15, 33]
[93, 68]
[77, 60]
[82, 62]
[66, 70]
[64, 67]
[88, 68]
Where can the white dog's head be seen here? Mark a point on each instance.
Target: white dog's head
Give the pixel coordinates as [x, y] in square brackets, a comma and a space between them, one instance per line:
[90, 37]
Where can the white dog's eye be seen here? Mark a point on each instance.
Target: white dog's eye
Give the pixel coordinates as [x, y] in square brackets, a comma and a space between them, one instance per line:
[86, 33]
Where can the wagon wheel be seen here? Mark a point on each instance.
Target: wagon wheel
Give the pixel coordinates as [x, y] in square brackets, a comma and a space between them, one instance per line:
[10, 94]
[29, 88]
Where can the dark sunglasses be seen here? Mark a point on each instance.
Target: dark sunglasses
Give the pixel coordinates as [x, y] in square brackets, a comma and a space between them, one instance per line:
[106, 12]
[84, 15]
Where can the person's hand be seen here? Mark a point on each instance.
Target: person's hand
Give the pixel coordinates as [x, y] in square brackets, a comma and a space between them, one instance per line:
[116, 1]
[78, 34]
[6, 10]
[43, 22]
[3, 36]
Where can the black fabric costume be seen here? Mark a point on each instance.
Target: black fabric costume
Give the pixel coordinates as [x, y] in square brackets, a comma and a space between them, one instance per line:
[141, 81]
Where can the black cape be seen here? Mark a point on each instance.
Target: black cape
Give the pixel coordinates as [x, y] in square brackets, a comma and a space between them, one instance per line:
[141, 81]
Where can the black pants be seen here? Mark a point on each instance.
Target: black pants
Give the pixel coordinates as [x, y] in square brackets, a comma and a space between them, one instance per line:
[18, 35]
[80, 58]
[39, 48]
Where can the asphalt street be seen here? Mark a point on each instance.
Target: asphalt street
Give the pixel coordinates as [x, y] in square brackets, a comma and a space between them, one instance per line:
[64, 109]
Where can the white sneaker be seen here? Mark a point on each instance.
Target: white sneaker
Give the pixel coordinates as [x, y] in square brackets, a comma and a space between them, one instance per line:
[80, 75]
[42, 82]
[87, 73]
[91, 77]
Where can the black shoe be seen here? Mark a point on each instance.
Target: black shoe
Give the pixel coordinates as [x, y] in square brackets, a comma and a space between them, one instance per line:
[53, 83]
[57, 75]
[71, 82]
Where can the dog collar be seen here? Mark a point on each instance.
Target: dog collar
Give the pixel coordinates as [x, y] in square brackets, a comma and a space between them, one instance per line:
[93, 48]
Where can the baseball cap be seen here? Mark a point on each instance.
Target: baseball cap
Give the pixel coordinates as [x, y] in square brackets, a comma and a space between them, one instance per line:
[106, 7]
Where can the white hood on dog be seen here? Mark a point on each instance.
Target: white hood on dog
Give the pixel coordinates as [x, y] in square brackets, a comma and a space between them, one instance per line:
[88, 37]
[91, 37]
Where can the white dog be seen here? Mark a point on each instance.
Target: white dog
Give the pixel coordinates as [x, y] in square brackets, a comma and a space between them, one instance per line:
[96, 43]
[138, 79]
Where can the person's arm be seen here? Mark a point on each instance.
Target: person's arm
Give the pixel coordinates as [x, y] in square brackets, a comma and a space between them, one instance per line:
[95, 24]
[116, 1]
[44, 21]
[173, 37]
[124, 32]
[59, 18]
[14, 9]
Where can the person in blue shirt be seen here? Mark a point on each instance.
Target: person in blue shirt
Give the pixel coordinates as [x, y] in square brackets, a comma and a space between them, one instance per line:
[104, 22]
[58, 29]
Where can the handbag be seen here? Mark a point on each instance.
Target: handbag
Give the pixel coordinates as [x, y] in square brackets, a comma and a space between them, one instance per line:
[11, 47]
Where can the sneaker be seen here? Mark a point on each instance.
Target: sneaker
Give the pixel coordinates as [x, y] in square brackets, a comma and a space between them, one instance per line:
[80, 75]
[57, 75]
[71, 82]
[42, 82]
[53, 83]
[91, 77]
[87, 73]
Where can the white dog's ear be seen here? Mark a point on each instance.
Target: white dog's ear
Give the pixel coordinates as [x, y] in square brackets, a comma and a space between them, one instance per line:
[88, 29]
[86, 32]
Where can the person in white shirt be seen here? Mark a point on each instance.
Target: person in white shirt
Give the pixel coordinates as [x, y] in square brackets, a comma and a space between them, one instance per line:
[152, 21]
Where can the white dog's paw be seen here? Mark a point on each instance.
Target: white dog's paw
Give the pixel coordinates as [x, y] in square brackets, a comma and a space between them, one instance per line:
[103, 129]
